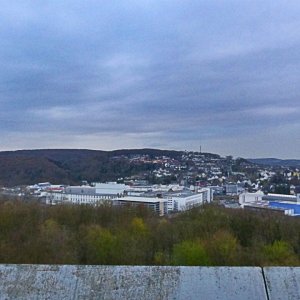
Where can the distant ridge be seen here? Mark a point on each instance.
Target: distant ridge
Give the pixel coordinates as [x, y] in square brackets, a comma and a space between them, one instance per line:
[70, 166]
[275, 162]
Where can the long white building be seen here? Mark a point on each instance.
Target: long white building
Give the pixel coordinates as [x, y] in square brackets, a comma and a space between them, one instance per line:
[98, 194]
[246, 198]
[173, 201]
[161, 201]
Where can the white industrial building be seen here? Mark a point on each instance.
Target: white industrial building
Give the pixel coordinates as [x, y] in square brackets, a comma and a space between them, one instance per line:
[184, 200]
[162, 201]
[97, 194]
[110, 188]
[174, 201]
[246, 198]
[286, 204]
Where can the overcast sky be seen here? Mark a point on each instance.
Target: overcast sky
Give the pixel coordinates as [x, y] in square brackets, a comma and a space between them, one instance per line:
[164, 74]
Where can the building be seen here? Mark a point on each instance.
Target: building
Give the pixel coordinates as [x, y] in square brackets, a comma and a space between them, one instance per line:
[280, 197]
[178, 199]
[234, 189]
[161, 199]
[95, 195]
[184, 200]
[217, 190]
[157, 205]
[264, 206]
[286, 204]
[246, 198]
[110, 188]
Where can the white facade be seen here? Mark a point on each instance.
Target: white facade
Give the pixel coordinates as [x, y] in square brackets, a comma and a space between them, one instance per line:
[86, 194]
[259, 196]
[186, 200]
[67, 198]
[207, 193]
[185, 203]
[246, 197]
[161, 202]
[280, 197]
[110, 188]
[138, 190]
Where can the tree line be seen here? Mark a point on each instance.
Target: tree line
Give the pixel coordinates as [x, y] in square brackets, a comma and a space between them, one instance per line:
[32, 233]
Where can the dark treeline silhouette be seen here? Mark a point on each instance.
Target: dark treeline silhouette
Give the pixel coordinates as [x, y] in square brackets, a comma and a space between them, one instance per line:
[71, 166]
[208, 235]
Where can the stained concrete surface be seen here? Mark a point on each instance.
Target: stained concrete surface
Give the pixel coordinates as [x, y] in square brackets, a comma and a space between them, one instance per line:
[145, 282]
[283, 283]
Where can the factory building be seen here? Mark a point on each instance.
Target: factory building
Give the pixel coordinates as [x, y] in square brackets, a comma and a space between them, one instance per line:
[286, 204]
[161, 200]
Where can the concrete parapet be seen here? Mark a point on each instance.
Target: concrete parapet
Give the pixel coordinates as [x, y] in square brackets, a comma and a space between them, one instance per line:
[147, 282]
[283, 283]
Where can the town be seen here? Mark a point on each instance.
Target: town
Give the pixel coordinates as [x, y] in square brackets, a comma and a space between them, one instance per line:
[172, 182]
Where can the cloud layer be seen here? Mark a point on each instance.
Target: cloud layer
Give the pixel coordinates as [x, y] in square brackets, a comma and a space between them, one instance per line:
[168, 74]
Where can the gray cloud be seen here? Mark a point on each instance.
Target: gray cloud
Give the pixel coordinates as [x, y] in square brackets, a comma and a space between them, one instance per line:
[171, 74]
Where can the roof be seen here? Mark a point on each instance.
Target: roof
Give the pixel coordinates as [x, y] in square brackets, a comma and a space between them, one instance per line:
[140, 199]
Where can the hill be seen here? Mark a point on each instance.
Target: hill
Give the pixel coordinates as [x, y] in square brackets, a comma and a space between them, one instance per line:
[275, 162]
[71, 166]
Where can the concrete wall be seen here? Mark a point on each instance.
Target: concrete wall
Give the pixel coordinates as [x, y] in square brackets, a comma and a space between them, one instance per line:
[139, 282]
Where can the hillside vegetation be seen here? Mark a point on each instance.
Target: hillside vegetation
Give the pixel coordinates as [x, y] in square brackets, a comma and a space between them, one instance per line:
[210, 235]
[70, 166]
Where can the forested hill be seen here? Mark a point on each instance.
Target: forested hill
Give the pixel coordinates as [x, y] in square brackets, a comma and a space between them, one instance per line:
[275, 161]
[70, 166]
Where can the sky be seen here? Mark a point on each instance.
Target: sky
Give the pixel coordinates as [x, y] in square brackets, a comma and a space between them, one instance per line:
[162, 74]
